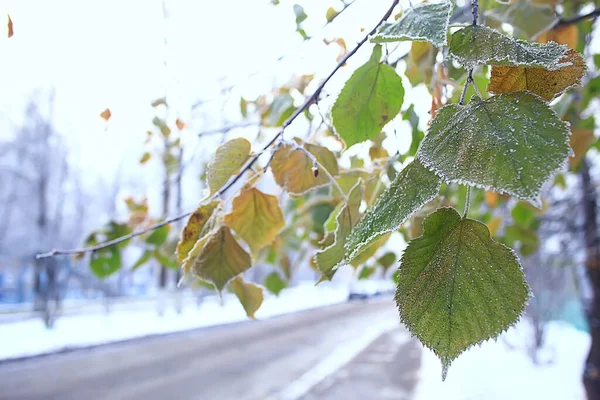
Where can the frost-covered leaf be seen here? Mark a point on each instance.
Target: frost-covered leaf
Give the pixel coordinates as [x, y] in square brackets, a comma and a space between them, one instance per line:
[511, 143]
[228, 159]
[256, 217]
[217, 258]
[546, 84]
[249, 294]
[370, 251]
[457, 287]
[526, 17]
[476, 45]
[194, 230]
[274, 283]
[370, 99]
[424, 22]
[414, 186]
[293, 170]
[332, 257]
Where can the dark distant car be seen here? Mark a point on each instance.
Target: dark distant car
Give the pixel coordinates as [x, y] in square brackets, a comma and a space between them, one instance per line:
[366, 289]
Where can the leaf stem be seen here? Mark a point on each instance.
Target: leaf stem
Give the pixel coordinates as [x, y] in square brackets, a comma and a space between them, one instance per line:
[467, 202]
[467, 83]
[310, 100]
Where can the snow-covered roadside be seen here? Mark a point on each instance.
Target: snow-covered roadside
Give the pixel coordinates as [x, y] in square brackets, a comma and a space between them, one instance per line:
[502, 370]
[30, 337]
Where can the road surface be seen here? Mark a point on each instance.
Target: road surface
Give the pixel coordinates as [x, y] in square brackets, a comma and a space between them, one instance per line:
[335, 352]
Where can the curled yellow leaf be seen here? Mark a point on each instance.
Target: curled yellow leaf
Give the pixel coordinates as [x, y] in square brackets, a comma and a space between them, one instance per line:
[256, 217]
[546, 84]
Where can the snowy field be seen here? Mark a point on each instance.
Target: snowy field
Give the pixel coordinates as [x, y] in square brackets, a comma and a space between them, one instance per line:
[502, 370]
[30, 337]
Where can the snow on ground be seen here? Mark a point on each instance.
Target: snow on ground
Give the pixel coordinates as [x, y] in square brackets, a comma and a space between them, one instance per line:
[30, 337]
[503, 370]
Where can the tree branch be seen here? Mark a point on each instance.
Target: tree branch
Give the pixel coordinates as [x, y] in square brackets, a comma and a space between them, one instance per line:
[578, 18]
[248, 165]
[227, 128]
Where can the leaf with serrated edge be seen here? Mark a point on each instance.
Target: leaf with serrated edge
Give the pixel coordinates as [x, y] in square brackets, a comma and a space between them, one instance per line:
[228, 159]
[476, 45]
[217, 258]
[511, 143]
[256, 217]
[457, 287]
[194, 229]
[249, 294]
[370, 99]
[293, 170]
[546, 84]
[424, 22]
[332, 257]
[414, 186]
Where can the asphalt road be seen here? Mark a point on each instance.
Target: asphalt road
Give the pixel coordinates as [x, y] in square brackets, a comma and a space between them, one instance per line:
[318, 354]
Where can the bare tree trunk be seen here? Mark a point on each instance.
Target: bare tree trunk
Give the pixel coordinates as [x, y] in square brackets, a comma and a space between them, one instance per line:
[591, 373]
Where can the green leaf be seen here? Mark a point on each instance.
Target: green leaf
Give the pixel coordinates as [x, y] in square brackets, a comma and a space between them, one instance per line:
[105, 262]
[249, 294]
[523, 214]
[217, 258]
[414, 186]
[158, 236]
[228, 159]
[386, 261]
[527, 18]
[256, 217]
[366, 273]
[167, 261]
[424, 22]
[195, 229]
[476, 45]
[370, 99]
[511, 143]
[159, 101]
[457, 287]
[332, 257]
[274, 283]
[144, 258]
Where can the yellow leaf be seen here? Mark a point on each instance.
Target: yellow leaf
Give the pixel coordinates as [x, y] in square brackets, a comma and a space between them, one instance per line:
[376, 152]
[180, 124]
[217, 258]
[491, 198]
[145, 157]
[11, 32]
[563, 34]
[580, 141]
[293, 169]
[106, 114]
[493, 225]
[228, 160]
[194, 230]
[249, 294]
[256, 217]
[544, 83]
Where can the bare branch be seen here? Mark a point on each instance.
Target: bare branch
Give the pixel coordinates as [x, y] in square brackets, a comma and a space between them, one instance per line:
[578, 18]
[310, 100]
[227, 128]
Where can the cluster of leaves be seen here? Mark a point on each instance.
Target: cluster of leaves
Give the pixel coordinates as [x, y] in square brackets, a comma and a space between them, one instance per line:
[456, 285]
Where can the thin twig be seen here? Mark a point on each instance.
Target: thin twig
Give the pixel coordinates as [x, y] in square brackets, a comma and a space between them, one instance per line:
[475, 11]
[323, 169]
[227, 128]
[248, 165]
[578, 18]
[467, 202]
[467, 83]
